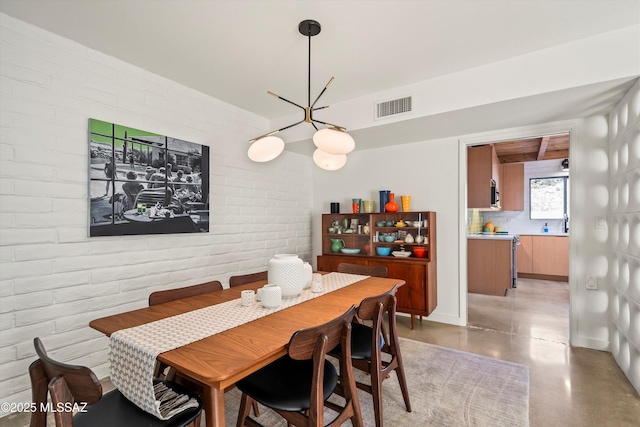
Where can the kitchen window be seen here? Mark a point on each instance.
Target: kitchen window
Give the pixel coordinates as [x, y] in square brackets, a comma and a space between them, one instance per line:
[548, 197]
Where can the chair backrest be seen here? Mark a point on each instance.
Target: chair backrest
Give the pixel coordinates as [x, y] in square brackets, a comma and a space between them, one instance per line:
[373, 308]
[81, 382]
[313, 343]
[247, 278]
[302, 343]
[365, 270]
[160, 297]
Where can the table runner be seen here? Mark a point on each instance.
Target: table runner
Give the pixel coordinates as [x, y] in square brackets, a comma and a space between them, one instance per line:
[133, 351]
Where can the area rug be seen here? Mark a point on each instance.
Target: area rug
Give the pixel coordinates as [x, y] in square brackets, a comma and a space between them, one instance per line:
[447, 388]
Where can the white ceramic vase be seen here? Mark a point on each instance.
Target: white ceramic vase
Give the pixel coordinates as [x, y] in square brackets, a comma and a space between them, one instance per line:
[307, 272]
[286, 271]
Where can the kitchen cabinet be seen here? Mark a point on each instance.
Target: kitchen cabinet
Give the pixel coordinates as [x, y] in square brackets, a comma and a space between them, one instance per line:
[419, 295]
[544, 257]
[489, 266]
[525, 255]
[483, 166]
[512, 187]
[550, 255]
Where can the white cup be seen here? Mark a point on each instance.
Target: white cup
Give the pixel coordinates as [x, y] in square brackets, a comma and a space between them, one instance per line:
[247, 298]
[271, 296]
[316, 283]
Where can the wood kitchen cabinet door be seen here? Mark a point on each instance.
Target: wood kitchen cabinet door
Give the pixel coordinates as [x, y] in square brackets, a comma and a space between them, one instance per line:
[525, 254]
[488, 266]
[512, 187]
[480, 171]
[551, 255]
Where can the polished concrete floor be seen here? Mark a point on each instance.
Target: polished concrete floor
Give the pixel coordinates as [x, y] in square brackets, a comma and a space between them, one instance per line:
[569, 386]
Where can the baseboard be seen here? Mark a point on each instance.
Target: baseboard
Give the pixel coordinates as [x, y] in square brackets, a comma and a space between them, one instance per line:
[544, 277]
[440, 318]
[591, 343]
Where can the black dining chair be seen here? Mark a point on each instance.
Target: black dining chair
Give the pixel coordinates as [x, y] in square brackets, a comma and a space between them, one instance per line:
[297, 385]
[73, 385]
[376, 350]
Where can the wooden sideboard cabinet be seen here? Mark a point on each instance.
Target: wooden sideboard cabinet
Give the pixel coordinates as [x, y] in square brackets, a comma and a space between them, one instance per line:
[419, 295]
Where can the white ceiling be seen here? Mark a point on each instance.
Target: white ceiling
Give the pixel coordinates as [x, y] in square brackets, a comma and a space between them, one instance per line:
[237, 50]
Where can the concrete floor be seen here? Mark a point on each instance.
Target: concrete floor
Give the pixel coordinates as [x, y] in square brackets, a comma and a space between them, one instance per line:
[569, 386]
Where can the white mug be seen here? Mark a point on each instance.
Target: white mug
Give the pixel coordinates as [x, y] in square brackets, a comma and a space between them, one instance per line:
[271, 296]
[247, 298]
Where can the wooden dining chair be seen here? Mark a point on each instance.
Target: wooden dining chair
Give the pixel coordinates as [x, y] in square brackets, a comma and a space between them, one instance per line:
[365, 270]
[160, 297]
[247, 278]
[370, 343]
[297, 385]
[74, 386]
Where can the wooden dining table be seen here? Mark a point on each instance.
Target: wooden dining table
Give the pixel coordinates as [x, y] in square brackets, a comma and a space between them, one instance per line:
[220, 360]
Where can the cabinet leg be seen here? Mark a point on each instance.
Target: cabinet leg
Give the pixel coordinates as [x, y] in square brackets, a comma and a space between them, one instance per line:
[412, 322]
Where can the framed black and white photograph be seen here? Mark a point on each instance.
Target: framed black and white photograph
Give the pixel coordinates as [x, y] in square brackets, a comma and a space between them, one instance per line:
[145, 183]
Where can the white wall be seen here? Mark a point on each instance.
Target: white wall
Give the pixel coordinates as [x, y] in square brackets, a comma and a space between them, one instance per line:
[623, 277]
[53, 278]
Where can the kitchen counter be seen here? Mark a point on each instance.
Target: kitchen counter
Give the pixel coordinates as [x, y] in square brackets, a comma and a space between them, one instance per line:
[492, 236]
[510, 236]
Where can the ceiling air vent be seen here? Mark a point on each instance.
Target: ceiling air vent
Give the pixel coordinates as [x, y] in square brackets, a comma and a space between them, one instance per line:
[393, 107]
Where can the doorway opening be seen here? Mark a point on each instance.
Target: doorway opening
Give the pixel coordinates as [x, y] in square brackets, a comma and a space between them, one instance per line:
[538, 303]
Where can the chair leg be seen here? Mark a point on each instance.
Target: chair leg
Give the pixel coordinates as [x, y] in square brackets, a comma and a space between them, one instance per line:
[403, 383]
[376, 394]
[243, 411]
[256, 411]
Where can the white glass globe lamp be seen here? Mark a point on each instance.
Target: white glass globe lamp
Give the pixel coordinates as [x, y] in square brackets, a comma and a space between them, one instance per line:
[334, 141]
[330, 162]
[266, 149]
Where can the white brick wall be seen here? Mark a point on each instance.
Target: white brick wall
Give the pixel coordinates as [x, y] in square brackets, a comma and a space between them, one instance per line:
[53, 278]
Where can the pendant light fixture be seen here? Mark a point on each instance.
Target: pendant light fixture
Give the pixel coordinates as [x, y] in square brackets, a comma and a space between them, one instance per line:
[333, 142]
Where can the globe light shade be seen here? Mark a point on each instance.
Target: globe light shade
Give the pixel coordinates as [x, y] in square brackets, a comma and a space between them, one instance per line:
[330, 162]
[334, 141]
[266, 149]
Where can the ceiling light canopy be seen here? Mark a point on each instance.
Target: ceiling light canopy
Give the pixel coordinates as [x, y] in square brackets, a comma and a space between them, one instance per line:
[333, 142]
